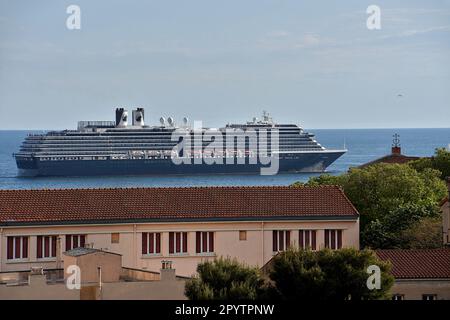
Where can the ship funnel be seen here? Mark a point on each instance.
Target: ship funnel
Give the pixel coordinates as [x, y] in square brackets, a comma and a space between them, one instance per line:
[138, 117]
[121, 117]
[170, 121]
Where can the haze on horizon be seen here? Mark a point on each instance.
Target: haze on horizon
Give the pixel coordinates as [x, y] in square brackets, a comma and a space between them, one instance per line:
[313, 64]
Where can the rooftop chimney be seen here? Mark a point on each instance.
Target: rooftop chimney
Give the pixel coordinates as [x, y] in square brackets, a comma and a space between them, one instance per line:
[167, 273]
[396, 149]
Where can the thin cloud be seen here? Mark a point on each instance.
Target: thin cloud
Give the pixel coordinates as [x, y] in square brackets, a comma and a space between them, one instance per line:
[414, 32]
[278, 34]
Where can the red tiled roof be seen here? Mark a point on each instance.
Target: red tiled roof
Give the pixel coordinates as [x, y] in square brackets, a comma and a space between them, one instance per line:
[418, 264]
[391, 158]
[109, 205]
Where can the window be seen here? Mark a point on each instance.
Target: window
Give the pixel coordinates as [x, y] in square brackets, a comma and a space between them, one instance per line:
[46, 247]
[307, 239]
[17, 248]
[398, 297]
[333, 239]
[151, 243]
[75, 241]
[177, 242]
[281, 240]
[429, 297]
[242, 235]
[204, 242]
[115, 237]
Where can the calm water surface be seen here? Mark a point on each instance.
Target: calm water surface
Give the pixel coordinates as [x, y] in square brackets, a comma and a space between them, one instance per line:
[363, 145]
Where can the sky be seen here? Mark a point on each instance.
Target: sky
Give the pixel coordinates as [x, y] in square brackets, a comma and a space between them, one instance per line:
[313, 63]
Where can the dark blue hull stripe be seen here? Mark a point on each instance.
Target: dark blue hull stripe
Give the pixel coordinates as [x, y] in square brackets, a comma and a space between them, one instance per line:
[305, 162]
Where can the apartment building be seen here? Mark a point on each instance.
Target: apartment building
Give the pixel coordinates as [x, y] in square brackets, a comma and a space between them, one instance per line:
[183, 225]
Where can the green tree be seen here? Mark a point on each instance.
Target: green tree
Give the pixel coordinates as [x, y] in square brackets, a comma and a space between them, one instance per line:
[223, 279]
[424, 234]
[389, 231]
[389, 197]
[440, 161]
[299, 274]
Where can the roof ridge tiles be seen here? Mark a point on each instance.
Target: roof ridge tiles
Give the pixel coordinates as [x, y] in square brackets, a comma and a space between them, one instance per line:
[174, 203]
[173, 188]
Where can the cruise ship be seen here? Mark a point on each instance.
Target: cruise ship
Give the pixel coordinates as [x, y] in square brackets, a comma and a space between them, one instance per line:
[122, 148]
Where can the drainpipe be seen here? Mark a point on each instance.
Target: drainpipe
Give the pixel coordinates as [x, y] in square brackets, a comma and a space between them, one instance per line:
[58, 252]
[135, 246]
[99, 269]
[262, 243]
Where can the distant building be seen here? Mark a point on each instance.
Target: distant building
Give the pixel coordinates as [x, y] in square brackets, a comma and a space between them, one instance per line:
[396, 155]
[101, 277]
[422, 274]
[185, 225]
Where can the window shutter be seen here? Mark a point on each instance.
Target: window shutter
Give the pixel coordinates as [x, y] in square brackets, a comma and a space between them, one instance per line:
[333, 239]
[177, 242]
[24, 247]
[300, 239]
[327, 238]
[39, 247]
[158, 242]
[171, 242]
[10, 248]
[339, 239]
[184, 241]
[211, 242]
[17, 244]
[151, 248]
[68, 242]
[307, 239]
[54, 246]
[280, 240]
[197, 242]
[46, 247]
[288, 239]
[313, 236]
[274, 241]
[204, 241]
[144, 243]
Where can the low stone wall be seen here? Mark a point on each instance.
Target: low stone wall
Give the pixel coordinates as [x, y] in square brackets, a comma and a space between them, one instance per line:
[139, 275]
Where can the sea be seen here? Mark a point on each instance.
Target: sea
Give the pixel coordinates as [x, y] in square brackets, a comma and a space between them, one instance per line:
[363, 145]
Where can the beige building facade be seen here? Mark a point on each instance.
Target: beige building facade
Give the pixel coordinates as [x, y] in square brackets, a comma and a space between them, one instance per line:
[184, 225]
[249, 242]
